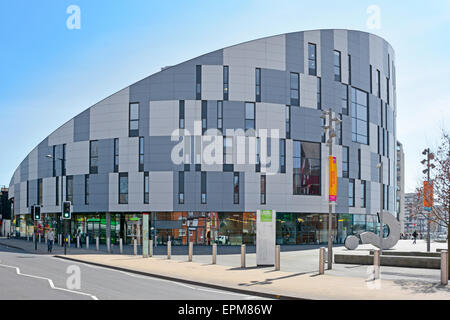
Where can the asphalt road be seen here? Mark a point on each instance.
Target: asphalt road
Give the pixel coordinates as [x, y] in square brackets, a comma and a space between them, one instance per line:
[43, 277]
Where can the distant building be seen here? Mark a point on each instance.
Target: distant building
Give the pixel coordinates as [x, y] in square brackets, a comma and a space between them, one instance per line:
[400, 204]
[5, 212]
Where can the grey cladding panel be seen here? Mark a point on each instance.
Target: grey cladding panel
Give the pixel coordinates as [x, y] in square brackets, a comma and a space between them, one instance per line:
[82, 126]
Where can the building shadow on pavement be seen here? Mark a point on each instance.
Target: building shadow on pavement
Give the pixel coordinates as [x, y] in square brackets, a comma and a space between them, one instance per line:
[418, 286]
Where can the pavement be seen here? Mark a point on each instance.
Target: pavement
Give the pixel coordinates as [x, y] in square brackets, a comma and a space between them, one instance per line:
[298, 277]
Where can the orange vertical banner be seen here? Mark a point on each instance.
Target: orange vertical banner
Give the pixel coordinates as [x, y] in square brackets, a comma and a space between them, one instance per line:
[427, 195]
[332, 177]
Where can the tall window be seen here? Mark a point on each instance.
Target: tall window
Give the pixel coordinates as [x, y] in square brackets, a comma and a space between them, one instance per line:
[339, 130]
[319, 93]
[57, 192]
[28, 193]
[203, 187]
[344, 98]
[359, 163]
[198, 83]
[220, 116]
[39, 192]
[236, 188]
[54, 161]
[378, 84]
[306, 165]
[360, 127]
[337, 65]
[258, 84]
[345, 162]
[349, 69]
[146, 188]
[228, 154]
[134, 120]
[295, 89]
[93, 157]
[351, 193]
[323, 135]
[263, 189]
[181, 187]
[312, 59]
[371, 79]
[258, 155]
[116, 155]
[288, 122]
[204, 116]
[86, 189]
[141, 154]
[69, 188]
[225, 83]
[363, 194]
[249, 116]
[181, 114]
[282, 155]
[63, 169]
[387, 90]
[123, 188]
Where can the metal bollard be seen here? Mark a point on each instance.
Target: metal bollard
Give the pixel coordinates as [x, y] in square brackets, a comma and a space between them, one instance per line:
[169, 249]
[121, 246]
[135, 247]
[243, 256]
[191, 248]
[97, 243]
[444, 267]
[376, 264]
[322, 261]
[277, 258]
[150, 248]
[108, 244]
[78, 242]
[87, 242]
[214, 253]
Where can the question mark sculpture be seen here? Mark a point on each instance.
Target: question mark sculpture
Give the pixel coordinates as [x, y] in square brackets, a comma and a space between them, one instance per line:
[352, 242]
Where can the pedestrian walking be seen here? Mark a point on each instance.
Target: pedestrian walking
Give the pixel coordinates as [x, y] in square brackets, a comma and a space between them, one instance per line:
[50, 239]
[414, 236]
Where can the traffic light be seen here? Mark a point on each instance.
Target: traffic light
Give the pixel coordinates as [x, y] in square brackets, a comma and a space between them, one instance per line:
[37, 213]
[67, 214]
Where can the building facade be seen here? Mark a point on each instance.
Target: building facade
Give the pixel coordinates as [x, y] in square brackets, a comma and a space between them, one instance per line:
[5, 212]
[145, 148]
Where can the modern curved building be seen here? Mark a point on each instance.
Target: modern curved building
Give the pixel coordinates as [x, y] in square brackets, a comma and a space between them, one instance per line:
[145, 148]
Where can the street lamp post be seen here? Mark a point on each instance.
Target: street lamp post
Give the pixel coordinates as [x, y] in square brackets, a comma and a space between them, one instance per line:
[430, 156]
[62, 202]
[328, 114]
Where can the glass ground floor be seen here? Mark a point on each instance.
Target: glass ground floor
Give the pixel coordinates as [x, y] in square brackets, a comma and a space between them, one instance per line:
[201, 228]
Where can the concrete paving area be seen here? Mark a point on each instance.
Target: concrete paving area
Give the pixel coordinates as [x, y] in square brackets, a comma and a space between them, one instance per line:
[297, 264]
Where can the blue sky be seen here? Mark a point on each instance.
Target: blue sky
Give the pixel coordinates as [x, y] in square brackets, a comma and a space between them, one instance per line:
[48, 73]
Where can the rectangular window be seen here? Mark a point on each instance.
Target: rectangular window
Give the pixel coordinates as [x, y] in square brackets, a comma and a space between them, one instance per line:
[198, 82]
[384, 197]
[319, 93]
[382, 113]
[378, 83]
[116, 155]
[384, 143]
[288, 122]
[379, 139]
[295, 89]
[86, 189]
[387, 90]
[141, 154]
[203, 188]
[371, 79]
[220, 116]
[63, 169]
[69, 188]
[359, 163]
[282, 155]
[204, 116]
[307, 168]
[146, 188]
[263, 189]
[93, 157]
[349, 69]
[363, 194]
[258, 84]
[337, 65]
[236, 188]
[258, 155]
[351, 193]
[39, 192]
[345, 162]
[28, 193]
[123, 188]
[312, 59]
[323, 135]
[344, 99]
[225, 83]
[360, 124]
[54, 161]
[228, 154]
[339, 130]
[249, 116]
[181, 114]
[385, 115]
[57, 192]
[134, 120]
[181, 187]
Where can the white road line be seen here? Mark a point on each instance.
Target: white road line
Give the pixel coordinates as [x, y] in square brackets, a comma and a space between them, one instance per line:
[49, 281]
[157, 279]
